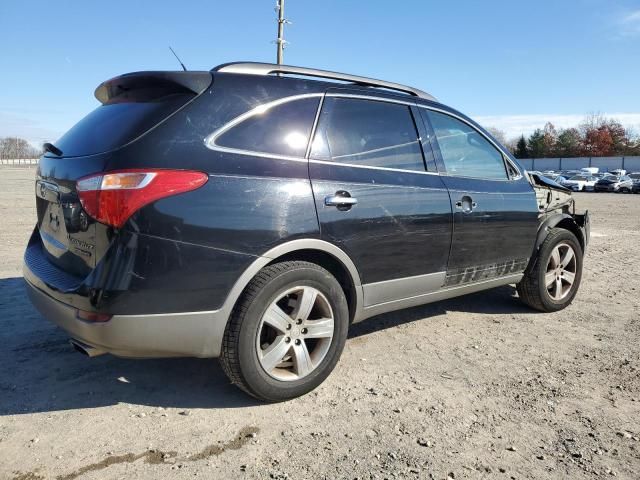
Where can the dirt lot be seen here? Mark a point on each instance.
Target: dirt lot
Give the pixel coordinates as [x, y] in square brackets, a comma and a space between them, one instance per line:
[477, 387]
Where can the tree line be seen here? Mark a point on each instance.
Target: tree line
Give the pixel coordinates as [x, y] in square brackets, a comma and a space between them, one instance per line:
[596, 136]
[15, 147]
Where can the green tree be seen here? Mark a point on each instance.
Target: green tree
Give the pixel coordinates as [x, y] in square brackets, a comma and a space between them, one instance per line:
[521, 151]
[536, 144]
[570, 143]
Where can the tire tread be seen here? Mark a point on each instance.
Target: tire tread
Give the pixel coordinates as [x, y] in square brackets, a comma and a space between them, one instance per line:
[229, 358]
[529, 288]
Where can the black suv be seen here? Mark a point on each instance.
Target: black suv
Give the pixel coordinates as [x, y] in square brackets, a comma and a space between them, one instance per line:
[254, 212]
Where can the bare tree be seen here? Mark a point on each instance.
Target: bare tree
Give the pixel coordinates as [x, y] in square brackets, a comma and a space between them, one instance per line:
[15, 147]
[498, 134]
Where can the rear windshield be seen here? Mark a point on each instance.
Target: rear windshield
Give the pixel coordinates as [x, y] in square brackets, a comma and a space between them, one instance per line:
[113, 125]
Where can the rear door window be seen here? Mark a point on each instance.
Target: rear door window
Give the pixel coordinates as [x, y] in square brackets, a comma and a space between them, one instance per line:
[465, 152]
[368, 133]
[282, 129]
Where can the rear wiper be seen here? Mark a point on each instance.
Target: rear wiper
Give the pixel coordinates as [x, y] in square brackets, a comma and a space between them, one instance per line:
[50, 147]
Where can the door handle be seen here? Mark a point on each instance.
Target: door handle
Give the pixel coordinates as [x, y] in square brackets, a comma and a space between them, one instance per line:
[466, 204]
[342, 199]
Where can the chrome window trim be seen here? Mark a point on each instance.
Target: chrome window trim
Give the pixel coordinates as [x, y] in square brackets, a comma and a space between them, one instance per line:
[210, 140]
[367, 167]
[505, 157]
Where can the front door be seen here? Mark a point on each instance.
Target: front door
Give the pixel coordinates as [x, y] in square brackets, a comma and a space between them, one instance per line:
[376, 199]
[495, 217]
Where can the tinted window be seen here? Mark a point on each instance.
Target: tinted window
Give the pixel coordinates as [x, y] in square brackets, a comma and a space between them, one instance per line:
[368, 133]
[282, 129]
[464, 151]
[111, 126]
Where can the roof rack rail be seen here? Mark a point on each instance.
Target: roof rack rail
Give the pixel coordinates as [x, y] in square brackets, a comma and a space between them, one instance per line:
[256, 68]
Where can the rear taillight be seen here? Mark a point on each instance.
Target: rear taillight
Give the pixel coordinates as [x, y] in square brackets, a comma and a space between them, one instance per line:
[112, 197]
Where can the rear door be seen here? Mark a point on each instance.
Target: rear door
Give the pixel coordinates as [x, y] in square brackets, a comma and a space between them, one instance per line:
[375, 197]
[495, 215]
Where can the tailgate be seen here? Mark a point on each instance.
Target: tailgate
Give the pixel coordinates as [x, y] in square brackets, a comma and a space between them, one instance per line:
[67, 233]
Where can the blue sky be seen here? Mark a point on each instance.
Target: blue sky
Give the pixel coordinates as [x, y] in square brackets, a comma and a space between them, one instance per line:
[510, 64]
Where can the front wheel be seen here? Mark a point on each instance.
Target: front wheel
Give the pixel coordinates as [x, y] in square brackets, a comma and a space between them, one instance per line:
[553, 281]
[287, 331]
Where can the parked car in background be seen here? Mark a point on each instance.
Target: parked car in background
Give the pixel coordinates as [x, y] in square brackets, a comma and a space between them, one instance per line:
[619, 172]
[589, 170]
[635, 177]
[253, 212]
[612, 183]
[559, 178]
[580, 182]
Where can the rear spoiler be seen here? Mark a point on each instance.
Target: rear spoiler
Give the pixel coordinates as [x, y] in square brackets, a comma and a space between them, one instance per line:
[148, 86]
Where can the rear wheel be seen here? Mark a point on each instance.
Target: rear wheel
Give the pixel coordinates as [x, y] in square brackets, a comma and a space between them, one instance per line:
[552, 283]
[287, 331]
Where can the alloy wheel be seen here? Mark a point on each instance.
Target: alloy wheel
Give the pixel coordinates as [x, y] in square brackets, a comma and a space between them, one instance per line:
[561, 271]
[295, 333]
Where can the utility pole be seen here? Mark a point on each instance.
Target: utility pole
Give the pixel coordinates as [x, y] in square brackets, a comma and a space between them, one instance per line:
[281, 21]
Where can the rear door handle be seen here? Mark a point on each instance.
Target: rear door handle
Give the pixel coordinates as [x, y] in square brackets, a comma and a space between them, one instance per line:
[342, 199]
[466, 204]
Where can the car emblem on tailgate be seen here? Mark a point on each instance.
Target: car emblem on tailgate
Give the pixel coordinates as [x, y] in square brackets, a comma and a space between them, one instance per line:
[54, 222]
[82, 247]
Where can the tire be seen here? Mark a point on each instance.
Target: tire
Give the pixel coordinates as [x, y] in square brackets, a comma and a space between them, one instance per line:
[244, 355]
[533, 290]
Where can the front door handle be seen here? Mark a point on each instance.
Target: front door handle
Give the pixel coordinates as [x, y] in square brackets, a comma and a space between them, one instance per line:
[342, 199]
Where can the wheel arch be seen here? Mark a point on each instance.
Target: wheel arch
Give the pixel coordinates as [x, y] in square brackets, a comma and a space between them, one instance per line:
[561, 220]
[318, 251]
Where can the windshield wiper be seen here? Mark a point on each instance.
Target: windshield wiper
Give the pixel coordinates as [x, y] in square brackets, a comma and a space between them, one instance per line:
[50, 147]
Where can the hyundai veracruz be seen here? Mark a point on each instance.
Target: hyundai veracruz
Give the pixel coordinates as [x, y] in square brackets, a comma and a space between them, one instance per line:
[255, 211]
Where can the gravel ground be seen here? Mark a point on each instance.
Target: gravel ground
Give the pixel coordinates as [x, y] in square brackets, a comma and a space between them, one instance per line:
[476, 387]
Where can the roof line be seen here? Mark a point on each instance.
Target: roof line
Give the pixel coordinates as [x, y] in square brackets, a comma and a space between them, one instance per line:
[256, 68]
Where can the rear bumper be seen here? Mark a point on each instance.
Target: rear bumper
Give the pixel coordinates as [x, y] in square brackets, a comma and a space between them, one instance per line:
[192, 334]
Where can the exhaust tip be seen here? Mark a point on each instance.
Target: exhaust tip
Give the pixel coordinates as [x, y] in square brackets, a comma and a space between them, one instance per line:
[85, 349]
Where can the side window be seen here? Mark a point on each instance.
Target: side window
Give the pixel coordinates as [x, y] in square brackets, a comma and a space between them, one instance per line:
[368, 133]
[465, 151]
[282, 129]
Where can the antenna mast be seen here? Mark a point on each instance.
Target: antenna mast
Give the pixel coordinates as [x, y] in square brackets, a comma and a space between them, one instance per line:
[280, 42]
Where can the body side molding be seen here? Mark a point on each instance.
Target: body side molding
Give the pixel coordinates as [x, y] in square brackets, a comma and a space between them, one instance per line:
[438, 295]
[399, 288]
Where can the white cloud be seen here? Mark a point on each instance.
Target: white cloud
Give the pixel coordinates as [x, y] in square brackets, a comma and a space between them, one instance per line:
[516, 125]
[629, 23]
